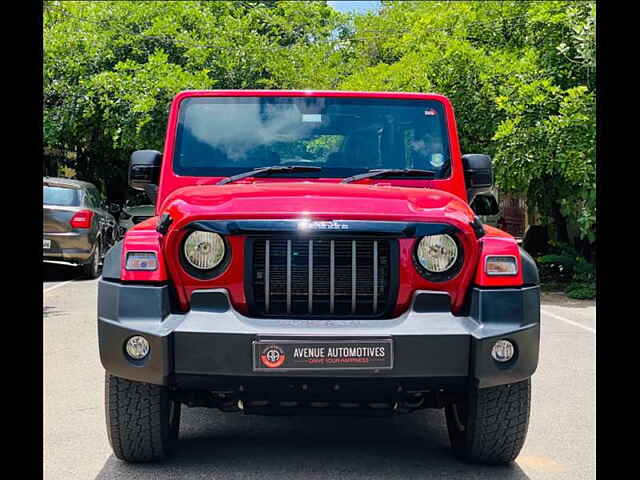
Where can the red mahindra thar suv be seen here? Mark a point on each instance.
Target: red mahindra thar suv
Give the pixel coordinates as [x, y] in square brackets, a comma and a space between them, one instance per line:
[317, 253]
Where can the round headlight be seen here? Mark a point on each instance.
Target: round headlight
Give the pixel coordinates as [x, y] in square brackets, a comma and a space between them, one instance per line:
[437, 253]
[204, 250]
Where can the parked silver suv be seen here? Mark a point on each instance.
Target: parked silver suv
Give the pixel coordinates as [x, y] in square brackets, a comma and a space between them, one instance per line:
[78, 229]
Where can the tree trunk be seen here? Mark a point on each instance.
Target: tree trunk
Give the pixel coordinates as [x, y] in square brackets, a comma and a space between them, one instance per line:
[560, 223]
[50, 166]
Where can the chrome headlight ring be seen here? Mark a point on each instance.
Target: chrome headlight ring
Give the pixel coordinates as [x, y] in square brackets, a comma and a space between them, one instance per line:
[438, 258]
[203, 254]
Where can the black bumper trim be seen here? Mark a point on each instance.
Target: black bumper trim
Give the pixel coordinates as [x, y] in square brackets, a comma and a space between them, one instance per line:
[530, 274]
[112, 264]
[348, 228]
[126, 310]
[213, 339]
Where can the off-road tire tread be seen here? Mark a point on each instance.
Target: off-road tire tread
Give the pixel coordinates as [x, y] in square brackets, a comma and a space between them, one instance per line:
[497, 423]
[137, 420]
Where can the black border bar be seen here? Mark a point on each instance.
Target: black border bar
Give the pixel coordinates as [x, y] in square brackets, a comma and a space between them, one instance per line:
[334, 227]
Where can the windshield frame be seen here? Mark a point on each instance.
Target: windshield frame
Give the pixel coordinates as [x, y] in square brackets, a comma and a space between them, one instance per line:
[448, 138]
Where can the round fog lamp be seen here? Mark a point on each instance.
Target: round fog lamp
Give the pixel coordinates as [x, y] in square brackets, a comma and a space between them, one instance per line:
[502, 351]
[137, 347]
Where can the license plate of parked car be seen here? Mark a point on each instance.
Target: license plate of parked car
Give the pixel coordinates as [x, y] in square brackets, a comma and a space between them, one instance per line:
[46, 243]
[286, 355]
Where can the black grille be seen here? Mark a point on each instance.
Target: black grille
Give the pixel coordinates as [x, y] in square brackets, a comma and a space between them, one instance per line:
[321, 277]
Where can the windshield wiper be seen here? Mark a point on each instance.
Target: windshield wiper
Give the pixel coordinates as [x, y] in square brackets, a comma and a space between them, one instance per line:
[391, 172]
[273, 169]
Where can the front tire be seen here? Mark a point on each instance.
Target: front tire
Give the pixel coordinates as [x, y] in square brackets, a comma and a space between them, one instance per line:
[489, 425]
[142, 421]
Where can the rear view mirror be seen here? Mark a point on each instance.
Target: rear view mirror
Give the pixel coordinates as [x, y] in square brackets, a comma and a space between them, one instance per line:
[478, 174]
[144, 169]
[485, 204]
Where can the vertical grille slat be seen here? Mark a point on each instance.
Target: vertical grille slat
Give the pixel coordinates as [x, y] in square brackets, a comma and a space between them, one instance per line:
[267, 293]
[310, 293]
[288, 276]
[320, 277]
[375, 276]
[354, 275]
[332, 276]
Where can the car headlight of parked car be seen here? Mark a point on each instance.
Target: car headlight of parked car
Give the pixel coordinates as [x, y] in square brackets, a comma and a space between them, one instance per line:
[204, 250]
[439, 257]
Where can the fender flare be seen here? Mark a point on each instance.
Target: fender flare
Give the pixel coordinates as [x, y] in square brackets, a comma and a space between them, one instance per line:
[112, 264]
[530, 274]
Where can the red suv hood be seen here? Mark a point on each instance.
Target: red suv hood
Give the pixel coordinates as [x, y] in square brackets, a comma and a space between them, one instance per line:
[316, 201]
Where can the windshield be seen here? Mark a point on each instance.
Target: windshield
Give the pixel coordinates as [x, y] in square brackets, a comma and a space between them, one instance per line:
[64, 197]
[223, 136]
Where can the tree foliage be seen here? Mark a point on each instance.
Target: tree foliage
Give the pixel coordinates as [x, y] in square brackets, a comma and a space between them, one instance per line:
[112, 68]
[521, 76]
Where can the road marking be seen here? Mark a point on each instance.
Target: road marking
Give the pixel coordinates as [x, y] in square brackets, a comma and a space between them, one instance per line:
[571, 322]
[58, 285]
[544, 464]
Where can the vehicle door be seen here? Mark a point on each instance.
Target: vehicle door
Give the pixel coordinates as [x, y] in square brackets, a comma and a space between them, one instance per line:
[111, 221]
[111, 224]
[89, 202]
[104, 220]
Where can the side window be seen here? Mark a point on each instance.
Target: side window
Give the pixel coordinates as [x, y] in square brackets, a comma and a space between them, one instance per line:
[88, 199]
[93, 198]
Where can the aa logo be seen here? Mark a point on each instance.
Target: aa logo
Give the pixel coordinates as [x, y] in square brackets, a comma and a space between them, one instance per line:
[272, 356]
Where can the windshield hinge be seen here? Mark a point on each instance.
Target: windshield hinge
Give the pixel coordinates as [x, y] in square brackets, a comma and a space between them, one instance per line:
[477, 227]
[163, 223]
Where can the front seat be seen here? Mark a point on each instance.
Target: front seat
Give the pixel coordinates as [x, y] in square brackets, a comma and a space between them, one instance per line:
[361, 151]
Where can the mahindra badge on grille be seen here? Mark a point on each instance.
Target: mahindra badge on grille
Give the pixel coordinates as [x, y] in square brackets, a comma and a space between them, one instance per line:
[322, 225]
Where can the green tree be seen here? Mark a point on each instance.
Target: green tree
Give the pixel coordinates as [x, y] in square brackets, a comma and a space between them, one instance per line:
[521, 76]
[112, 68]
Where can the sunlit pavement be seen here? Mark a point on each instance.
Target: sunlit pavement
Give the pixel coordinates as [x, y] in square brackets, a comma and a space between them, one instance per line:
[560, 443]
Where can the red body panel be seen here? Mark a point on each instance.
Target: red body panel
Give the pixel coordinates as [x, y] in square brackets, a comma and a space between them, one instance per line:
[143, 238]
[316, 201]
[497, 242]
[189, 199]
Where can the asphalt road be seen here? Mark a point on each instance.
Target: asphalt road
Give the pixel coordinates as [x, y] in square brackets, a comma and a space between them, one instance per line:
[213, 445]
[55, 275]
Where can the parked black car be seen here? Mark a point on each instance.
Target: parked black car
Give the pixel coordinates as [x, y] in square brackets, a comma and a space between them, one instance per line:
[78, 229]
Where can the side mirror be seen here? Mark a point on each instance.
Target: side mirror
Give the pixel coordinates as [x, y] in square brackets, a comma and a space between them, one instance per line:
[485, 204]
[144, 172]
[478, 174]
[144, 169]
